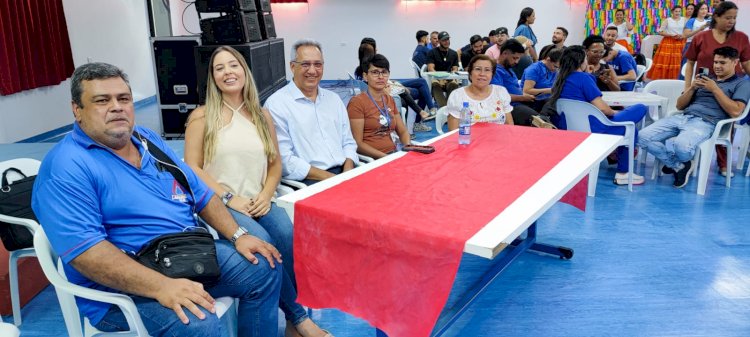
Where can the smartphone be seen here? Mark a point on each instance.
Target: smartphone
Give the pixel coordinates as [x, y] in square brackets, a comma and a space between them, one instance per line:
[703, 71]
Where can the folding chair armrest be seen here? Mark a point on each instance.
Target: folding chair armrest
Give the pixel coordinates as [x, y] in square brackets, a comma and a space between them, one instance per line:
[28, 223]
[365, 159]
[297, 185]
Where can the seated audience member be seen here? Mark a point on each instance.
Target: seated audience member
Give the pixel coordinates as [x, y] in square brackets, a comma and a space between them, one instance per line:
[101, 195]
[373, 114]
[493, 35]
[709, 99]
[475, 48]
[487, 102]
[315, 140]
[558, 41]
[511, 52]
[610, 39]
[573, 82]
[420, 52]
[398, 89]
[443, 59]
[538, 78]
[231, 145]
[624, 66]
[606, 78]
[434, 42]
[494, 50]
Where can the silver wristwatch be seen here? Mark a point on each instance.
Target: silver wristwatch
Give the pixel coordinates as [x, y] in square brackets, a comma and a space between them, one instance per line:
[240, 232]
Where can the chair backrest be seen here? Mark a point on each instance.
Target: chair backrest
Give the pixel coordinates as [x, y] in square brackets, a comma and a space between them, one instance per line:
[415, 67]
[577, 114]
[671, 89]
[66, 291]
[639, 71]
[28, 166]
[649, 63]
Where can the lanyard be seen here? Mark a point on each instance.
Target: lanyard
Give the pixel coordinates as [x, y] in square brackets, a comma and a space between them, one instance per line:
[383, 111]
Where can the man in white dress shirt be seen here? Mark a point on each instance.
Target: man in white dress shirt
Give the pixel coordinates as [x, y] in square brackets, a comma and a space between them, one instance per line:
[312, 125]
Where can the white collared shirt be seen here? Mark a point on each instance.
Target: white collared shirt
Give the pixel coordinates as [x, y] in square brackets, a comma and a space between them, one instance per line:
[310, 133]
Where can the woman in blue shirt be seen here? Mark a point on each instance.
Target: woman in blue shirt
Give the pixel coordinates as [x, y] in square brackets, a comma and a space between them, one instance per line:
[538, 78]
[573, 82]
[523, 28]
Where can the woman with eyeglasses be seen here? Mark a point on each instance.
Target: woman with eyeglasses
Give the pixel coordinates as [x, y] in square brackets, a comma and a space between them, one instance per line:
[596, 48]
[487, 102]
[573, 82]
[669, 54]
[373, 115]
[230, 142]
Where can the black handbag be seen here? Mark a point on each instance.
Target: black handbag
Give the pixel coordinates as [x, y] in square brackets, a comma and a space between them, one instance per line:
[15, 201]
[190, 254]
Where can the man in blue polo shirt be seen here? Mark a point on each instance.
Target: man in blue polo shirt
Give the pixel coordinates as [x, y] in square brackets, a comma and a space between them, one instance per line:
[510, 53]
[101, 195]
[621, 61]
[673, 140]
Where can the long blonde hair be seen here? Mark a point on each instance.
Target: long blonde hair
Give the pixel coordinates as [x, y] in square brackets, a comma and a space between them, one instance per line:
[214, 105]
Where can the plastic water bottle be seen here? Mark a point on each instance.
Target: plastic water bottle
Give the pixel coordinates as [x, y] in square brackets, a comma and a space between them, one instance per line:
[464, 125]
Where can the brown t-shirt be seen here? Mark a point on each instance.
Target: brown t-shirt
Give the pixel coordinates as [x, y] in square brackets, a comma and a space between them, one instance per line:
[703, 45]
[378, 128]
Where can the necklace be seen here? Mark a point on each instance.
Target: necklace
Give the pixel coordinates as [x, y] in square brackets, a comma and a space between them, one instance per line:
[445, 56]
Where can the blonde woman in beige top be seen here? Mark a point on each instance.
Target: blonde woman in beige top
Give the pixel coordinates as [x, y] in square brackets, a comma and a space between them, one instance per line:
[231, 144]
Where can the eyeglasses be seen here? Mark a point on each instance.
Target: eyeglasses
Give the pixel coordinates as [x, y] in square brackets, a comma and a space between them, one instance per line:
[379, 73]
[306, 65]
[482, 69]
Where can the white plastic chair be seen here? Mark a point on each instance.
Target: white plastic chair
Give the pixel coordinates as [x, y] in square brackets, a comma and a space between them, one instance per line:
[354, 84]
[415, 67]
[66, 293]
[649, 63]
[721, 136]
[29, 167]
[671, 89]
[577, 115]
[441, 118]
[743, 133]
[9, 330]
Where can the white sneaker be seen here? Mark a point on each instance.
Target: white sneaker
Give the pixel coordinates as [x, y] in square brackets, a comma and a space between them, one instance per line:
[622, 179]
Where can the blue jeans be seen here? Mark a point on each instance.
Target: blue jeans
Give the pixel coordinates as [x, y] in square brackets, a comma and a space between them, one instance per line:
[420, 90]
[256, 287]
[276, 228]
[673, 140]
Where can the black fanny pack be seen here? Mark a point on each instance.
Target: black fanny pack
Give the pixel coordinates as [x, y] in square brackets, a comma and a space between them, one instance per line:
[190, 255]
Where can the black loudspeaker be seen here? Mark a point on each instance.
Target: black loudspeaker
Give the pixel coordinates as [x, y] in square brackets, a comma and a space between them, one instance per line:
[267, 27]
[263, 5]
[234, 28]
[175, 70]
[211, 6]
[278, 66]
[173, 119]
[260, 57]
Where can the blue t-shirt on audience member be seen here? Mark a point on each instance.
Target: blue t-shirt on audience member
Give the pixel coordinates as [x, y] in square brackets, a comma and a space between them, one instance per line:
[420, 55]
[541, 75]
[580, 86]
[508, 79]
[526, 31]
[85, 193]
[622, 63]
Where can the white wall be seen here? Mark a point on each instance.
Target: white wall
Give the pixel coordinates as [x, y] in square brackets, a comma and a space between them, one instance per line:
[113, 31]
[340, 24]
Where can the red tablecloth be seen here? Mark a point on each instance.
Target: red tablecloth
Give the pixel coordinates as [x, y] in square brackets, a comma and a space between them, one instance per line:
[386, 245]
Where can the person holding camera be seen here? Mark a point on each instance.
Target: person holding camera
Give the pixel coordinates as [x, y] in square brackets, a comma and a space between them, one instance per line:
[709, 99]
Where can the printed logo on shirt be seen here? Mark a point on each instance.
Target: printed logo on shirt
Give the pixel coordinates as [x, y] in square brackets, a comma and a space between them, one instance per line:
[177, 192]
